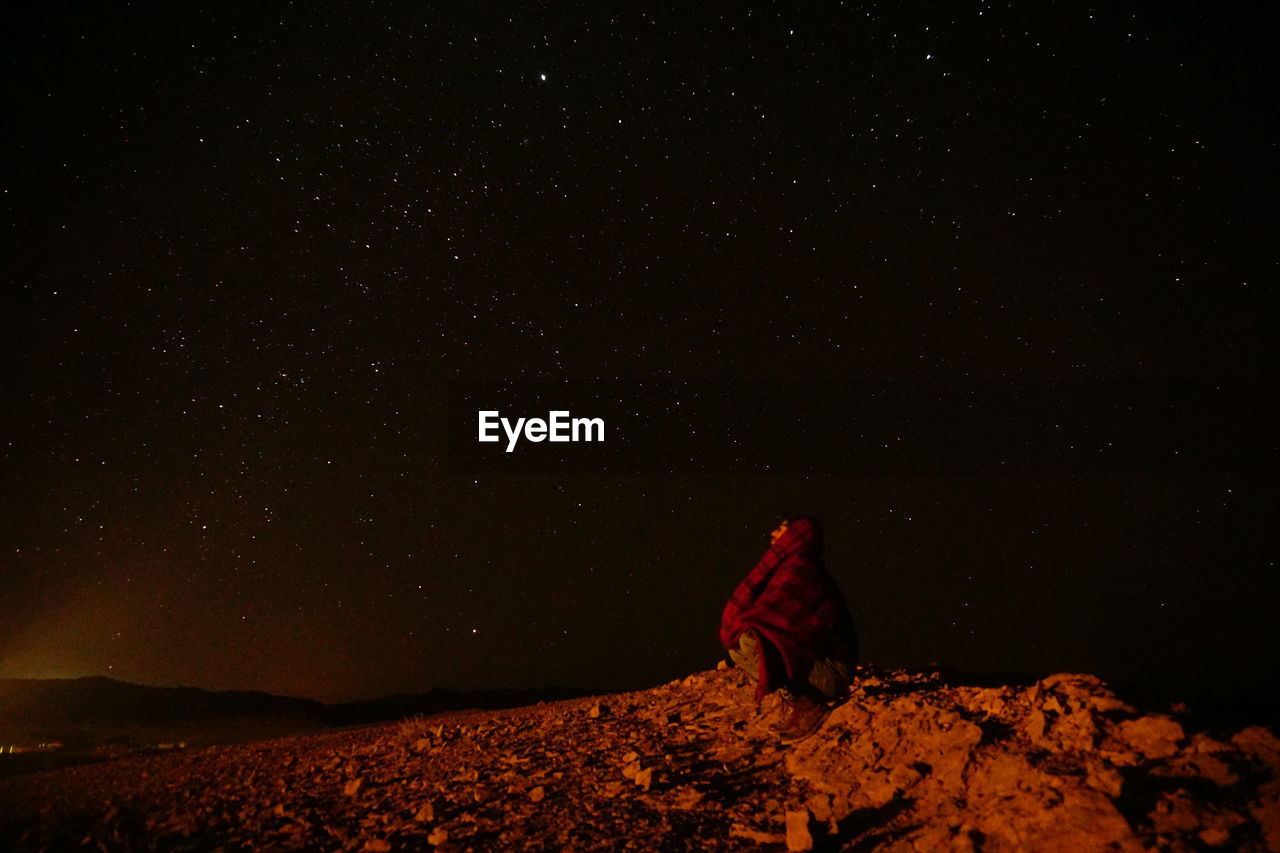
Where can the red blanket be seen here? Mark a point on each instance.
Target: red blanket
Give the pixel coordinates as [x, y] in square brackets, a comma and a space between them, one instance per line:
[790, 601]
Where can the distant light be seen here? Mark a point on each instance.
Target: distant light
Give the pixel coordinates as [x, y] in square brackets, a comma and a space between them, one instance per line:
[542, 77]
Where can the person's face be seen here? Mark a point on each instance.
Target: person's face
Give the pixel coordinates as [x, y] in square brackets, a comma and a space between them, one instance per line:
[777, 532]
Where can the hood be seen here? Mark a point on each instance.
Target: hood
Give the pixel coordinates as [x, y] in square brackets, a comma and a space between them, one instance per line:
[803, 536]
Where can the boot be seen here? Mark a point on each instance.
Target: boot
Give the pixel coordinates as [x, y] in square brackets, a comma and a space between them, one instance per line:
[807, 716]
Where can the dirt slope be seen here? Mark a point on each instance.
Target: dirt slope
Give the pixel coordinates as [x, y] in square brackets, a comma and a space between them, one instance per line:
[908, 763]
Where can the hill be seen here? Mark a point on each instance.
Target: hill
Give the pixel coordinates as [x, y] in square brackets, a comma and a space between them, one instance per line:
[908, 762]
[96, 718]
[38, 701]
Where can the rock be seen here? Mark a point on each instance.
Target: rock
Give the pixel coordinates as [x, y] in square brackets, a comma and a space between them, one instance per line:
[876, 761]
[990, 702]
[1073, 683]
[1035, 725]
[1175, 814]
[722, 665]
[740, 831]
[798, 836]
[1178, 814]
[1203, 743]
[1151, 736]
[685, 798]
[1188, 764]
[1080, 691]
[1266, 811]
[819, 805]
[917, 764]
[1052, 821]
[376, 845]
[1215, 837]
[1260, 743]
[1101, 776]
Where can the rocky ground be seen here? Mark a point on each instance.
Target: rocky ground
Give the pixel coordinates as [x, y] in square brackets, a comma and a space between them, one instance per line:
[907, 763]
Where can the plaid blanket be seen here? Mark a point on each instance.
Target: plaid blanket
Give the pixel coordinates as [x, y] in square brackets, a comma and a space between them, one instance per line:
[791, 603]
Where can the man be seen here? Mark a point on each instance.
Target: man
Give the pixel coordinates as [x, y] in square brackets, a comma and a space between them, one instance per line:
[788, 626]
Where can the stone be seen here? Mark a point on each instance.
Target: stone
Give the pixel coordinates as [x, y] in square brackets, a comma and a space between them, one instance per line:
[1152, 736]
[685, 798]
[954, 768]
[1215, 837]
[819, 806]
[1266, 811]
[798, 835]
[1260, 743]
[740, 831]
[1101, 776]
[1188, 764]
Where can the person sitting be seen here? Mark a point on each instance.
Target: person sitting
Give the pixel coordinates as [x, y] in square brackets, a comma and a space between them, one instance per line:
[788, 626]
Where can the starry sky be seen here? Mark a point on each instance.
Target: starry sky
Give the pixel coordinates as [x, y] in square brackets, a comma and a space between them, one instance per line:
[256, 252]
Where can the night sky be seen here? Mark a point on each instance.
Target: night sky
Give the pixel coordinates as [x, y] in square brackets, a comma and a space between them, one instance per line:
[251, 248]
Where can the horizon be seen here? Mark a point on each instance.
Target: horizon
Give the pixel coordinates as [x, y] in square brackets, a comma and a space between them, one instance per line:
[355, 700]
[1262, 698]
